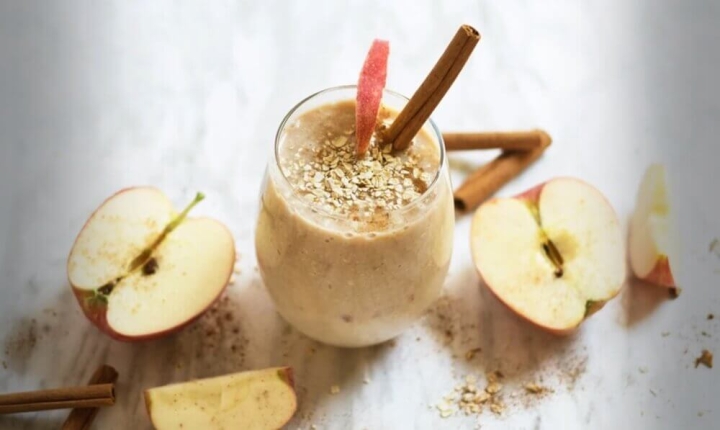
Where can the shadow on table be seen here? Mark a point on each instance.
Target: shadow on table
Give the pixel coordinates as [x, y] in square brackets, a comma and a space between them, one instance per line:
[640, 299]
[32, 421]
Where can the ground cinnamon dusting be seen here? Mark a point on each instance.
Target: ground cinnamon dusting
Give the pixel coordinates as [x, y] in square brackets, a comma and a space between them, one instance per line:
[220, 333]
[20, 344]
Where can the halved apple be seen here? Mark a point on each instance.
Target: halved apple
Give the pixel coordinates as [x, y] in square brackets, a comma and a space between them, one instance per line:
[554, 254]
[258, 400]
[139, 270]
[652, 241]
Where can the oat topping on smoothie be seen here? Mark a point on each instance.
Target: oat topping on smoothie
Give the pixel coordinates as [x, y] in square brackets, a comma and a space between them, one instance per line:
[321, 164]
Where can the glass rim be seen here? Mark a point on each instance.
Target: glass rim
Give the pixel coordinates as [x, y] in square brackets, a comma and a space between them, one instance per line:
[319, 209]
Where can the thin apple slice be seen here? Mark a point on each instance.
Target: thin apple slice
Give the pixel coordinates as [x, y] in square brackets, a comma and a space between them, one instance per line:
[369, 93]
[258, 400]
[652, 242]
[554, 254]
[189, 271]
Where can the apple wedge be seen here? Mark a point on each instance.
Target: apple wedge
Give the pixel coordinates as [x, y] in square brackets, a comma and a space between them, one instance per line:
[258, 400]
[369, 93]
[652, 241]
[554, 254]
[139, 270]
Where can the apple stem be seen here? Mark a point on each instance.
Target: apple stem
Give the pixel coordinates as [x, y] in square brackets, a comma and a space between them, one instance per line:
[145, 255]
[182, 215]
[97, 298]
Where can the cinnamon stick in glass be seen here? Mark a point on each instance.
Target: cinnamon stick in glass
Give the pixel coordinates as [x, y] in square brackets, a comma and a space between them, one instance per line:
[82, 418]
[426, 98]
[507, 140]
[488, 179]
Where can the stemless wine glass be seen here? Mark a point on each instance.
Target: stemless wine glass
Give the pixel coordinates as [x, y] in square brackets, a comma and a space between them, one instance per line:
[339, 281]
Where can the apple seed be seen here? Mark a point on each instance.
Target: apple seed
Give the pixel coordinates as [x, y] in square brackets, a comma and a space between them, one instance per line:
[150, 267]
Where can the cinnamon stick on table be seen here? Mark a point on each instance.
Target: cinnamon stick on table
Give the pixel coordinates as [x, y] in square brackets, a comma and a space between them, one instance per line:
[510, 140]
[492, 176]
[82, 418]
[426, 98]
[91, 396]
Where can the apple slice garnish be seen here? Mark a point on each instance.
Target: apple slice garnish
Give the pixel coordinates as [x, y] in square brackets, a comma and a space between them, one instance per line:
[139, 270]
[257, 399]
[652, 239]
[369, 93]
[554, 254]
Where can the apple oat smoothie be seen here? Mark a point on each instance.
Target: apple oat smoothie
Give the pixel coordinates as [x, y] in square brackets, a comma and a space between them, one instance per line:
[353, 249]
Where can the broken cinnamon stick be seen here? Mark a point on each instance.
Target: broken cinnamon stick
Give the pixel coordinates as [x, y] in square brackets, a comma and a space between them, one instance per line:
[512, 140]
[82, 418]
[426, 98]
[488, 179]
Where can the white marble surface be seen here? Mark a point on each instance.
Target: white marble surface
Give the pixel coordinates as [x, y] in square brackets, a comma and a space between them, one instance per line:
[95, 96]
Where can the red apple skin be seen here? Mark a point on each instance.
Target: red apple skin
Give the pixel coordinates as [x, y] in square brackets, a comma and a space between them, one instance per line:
[98, 315]
[532, 195]
[288, 375]
[557, 332]
[661, 274]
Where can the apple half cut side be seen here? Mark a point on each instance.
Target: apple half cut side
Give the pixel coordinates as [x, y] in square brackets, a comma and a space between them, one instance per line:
[652, 243]
[139, 270]
[554, 254]
[257, 399]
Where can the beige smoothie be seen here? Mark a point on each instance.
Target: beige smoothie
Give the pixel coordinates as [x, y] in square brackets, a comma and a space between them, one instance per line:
[353, 249]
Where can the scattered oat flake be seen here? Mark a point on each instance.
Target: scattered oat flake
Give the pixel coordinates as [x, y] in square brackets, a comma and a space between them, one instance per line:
[334, 389]
[706, 359]
[493, 388]
[471, 353]
[497, 408]
[534, 388]
[471, 400]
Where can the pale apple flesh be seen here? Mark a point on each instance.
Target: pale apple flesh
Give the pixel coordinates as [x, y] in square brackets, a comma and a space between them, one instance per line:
[136, 216]
[652, 243]
[258, 399]
[554, 254]
[140, 270]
